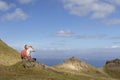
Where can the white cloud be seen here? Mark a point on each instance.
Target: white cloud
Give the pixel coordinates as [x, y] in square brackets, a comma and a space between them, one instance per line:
[102, 10]
[25, 1]
[116, 42]
[112, 21]
[62, 42]
[94, 8]
[55, 49]
[91, 36]
[115, 2]
[18, 14]
[115, 37]
[10, 11]
[4, 6]
[114, 46]
[70, 34]
[63, 33]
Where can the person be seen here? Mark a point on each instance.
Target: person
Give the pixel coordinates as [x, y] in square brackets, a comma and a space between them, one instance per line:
[23, 52]
[29, 51]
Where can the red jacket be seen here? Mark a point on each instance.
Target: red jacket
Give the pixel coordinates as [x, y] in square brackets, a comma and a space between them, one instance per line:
[23, 53]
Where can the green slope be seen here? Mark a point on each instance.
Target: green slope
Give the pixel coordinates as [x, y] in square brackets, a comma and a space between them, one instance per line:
[8, 55]
[17, 72]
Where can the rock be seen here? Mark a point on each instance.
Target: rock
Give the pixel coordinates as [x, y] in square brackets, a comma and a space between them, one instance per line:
[115, 61]
[30, 63]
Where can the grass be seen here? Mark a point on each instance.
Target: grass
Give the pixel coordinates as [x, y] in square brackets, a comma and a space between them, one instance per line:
[8, 55]
[111, 72]
[17, 72]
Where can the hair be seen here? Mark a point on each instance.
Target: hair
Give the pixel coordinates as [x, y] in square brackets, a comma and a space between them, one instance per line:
[25, 46]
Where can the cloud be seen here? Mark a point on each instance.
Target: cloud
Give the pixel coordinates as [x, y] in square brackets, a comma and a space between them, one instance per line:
[70, 34]
[115, 2]
[25, 1]
[10, 11]
[18, 14]
[116, 37]
[4, 6]
[114, 46]
[116, 42]
[95, 8]
[91, 36]
[112, 21]
[62, 42]
[63, 33]
[55, 49]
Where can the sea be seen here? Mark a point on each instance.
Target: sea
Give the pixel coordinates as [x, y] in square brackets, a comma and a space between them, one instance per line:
[53, 62]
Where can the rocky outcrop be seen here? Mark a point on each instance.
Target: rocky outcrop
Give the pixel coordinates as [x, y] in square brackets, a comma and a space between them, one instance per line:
[113, 65]
[32, 63]
[115, 61]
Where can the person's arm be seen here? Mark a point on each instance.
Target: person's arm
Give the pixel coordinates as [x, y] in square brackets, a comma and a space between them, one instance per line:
[32, 49]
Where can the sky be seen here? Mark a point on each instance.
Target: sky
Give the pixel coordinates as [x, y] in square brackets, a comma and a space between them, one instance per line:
[62, 27]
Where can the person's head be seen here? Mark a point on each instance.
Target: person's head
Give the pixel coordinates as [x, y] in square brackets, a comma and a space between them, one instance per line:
[26, 46]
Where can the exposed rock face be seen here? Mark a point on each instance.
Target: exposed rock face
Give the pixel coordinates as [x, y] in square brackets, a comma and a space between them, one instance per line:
[74, 64]
[113, 65]
[115, 61]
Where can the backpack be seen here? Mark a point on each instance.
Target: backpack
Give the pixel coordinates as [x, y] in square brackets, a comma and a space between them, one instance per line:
[23, 54]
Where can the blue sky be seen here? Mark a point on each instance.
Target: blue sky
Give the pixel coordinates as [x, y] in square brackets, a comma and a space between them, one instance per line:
[67, 26]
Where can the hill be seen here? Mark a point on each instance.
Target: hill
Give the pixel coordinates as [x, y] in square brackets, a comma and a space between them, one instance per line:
[112, 68]
[77, 67]
[75, 64]
[8, 55]
[18, 72]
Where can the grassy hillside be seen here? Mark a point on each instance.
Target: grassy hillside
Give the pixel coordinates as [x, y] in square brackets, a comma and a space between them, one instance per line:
[8, 56]
[77, 67]
[17, 72]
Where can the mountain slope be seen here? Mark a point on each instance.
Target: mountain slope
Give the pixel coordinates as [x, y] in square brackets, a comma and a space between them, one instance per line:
[8, 56]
